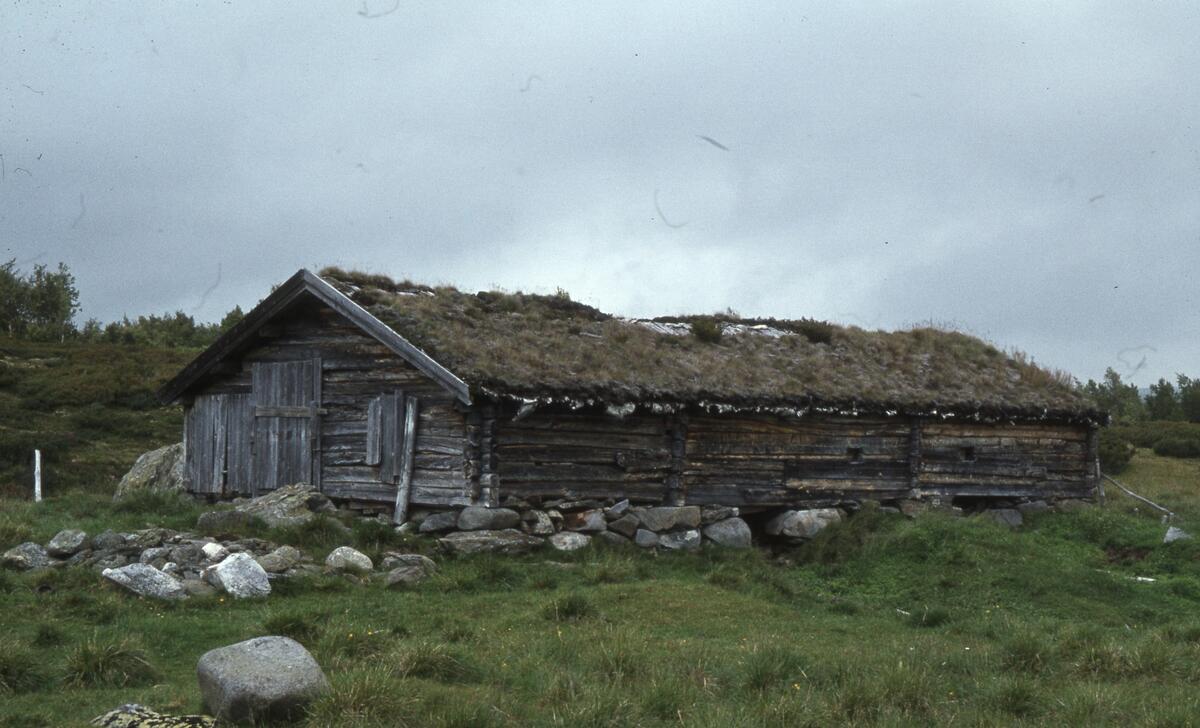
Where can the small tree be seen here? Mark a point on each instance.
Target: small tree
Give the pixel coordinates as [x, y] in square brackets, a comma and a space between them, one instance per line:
[1117, 398]
[1189, 397]
[1162, 403]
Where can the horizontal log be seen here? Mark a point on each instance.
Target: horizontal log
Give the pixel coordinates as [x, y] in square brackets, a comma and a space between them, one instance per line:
[934, 430]
[573, 471]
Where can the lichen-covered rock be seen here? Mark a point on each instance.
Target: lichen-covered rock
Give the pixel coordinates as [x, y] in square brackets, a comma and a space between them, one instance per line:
[613, 538]
[616, 510]
[108, 541]
[438, 522]
[290, 505]
[146, 581]
[731, 533]
[508, 541]
[481, 518]
[262, 679]
[26, 557]
[590, 521]
[538, 523]
[393, 560]
[802, 524]
[569, 540]
[645, 539]
[66, 543]
[133, 715]
[626, 525]
[688, 540]
[712, 514]
[159, 470]
[280, 560]
[405, 576]
[347, 560]
[666, 518]
[240, 576]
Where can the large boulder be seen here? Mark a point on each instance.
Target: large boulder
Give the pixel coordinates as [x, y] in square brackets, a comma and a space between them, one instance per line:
[688, 540]
[159, 470]
[481, 518]
[394, 559]
[132, 715]
[438, 522]
[280, 560]
[731, 533]
[146, 581]
[66, 543]
[290, 505]
[25, 557]
[240, 576]
[344, 559]
[802, 524]
[262, 679]
[507, 541]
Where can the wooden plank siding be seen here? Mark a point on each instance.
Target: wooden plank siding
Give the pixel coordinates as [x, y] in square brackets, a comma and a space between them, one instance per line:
[750, 460]
[355, 370]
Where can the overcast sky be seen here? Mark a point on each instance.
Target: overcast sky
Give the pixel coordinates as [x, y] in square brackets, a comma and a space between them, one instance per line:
[1027, 172]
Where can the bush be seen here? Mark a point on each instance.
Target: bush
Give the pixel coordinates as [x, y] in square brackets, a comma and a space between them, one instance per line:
[1115, 452]
[1178, 447]
[109, 663]
[19, 671]
[707, 329]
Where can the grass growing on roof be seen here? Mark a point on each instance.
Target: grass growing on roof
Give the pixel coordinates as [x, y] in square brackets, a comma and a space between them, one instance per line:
[538, 344]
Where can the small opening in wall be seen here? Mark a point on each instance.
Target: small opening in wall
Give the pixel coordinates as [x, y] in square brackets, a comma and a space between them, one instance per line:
[968, 454]
[855, 454]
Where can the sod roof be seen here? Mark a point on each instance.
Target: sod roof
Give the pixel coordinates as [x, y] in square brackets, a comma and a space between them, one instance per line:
[543, 347]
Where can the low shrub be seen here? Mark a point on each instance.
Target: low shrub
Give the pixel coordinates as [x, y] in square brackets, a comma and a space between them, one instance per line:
[570, 608]
[19, 669]
[108, 663]
[1115, 451]
[1178, 447]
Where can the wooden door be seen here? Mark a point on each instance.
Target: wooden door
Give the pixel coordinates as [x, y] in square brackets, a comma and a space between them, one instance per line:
[287, 398]
[218, 434]
[391, 437]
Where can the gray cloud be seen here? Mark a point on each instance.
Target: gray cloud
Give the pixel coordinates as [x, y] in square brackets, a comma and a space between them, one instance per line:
[1029, 173]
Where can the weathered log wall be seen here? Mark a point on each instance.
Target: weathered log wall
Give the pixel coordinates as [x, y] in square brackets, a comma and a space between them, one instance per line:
[356, 369]
[750, 460]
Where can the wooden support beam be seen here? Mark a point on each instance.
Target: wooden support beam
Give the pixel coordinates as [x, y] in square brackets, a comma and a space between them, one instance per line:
[677, 425]
[403, 492]
[914, 455]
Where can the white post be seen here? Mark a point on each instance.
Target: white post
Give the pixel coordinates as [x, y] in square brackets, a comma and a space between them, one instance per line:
[37, 476]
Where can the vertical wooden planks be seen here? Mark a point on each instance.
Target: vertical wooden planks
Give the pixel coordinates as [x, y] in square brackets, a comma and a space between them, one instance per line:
[239, 429]
[374, 430]
[676, 486]
[403, 492]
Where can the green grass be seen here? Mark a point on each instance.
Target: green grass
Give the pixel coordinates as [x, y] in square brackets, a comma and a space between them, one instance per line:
[883, 621]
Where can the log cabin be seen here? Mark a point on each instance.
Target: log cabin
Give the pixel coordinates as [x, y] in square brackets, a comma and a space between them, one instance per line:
[403, 395]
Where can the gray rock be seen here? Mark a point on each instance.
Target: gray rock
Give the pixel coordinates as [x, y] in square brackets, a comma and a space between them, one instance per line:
[263, 679]
[732, 533]
[626, 525]
[280, 560]
[347, 560]
[712, 514]
[480, 518]
[1037, 506]
[214, 551]
[109, 560]
[645, 539]
[1010, 517]
[240, 576]
[187, 555]
[25, 557]
[688, 540]
[665, 518]
[154, 553]
[577, 505]
[592, 521]
[393, 560]
[146, 581]
[569, 540]
[538, 523]
[132, 715]
[290, 505]
[802, 524]
[159, 470]
[108, 541]
[616, 510]
[508, 541]
[222, 523]
[1176, 534]
[198, 588]
[406, 576]
[66, 543]
[613, 538]
[438, 522]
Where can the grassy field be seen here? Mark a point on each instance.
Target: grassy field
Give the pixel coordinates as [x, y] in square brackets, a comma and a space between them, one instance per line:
[881, 621]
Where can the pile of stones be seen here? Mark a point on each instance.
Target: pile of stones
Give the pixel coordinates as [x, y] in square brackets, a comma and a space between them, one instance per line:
[564, 525]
